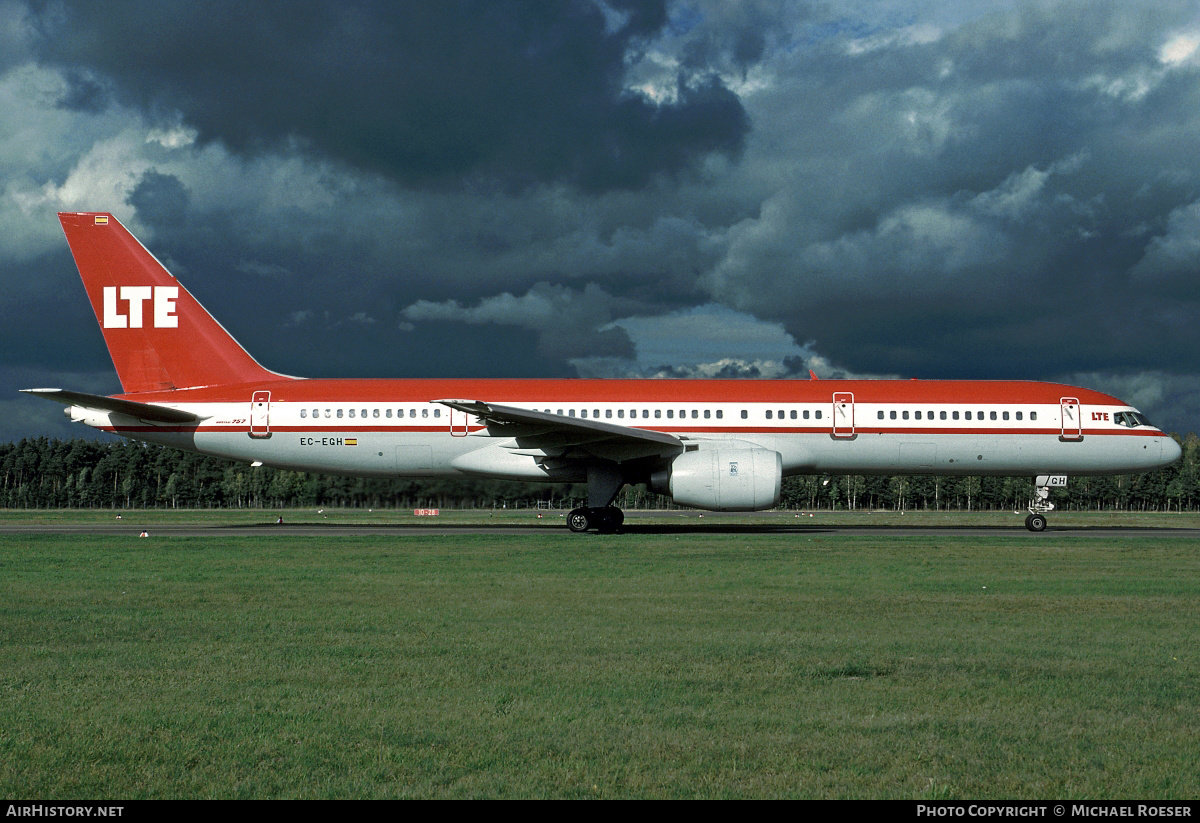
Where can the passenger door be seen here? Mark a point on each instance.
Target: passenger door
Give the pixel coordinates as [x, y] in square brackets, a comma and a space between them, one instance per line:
[1072, 418]
[260, 414]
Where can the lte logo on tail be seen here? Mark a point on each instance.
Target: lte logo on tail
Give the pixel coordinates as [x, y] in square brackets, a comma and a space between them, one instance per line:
[163, 298]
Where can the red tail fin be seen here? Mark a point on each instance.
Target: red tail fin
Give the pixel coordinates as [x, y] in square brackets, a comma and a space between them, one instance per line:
[158, 335]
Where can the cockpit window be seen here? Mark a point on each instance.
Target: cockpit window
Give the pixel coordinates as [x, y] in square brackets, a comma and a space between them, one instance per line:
[1131, 419]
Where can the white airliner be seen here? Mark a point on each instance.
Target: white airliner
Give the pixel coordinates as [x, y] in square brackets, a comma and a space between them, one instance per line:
[720, 445]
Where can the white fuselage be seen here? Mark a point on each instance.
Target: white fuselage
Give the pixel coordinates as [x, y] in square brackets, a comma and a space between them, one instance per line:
[406, 438]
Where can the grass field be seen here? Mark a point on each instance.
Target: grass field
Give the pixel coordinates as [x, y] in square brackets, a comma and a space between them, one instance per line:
[559, 665]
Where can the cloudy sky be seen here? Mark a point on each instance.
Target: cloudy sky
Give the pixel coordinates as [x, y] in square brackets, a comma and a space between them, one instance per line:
[913, 188]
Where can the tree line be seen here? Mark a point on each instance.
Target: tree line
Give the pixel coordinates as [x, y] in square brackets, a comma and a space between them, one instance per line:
[43, 473]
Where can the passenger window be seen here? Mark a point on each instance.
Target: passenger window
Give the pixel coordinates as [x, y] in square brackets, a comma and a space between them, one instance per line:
[607, 413]
[572, 413]
[1018, 415]
[745, 414]
[917, 415]
[806, 414]
[670, 414]
[818, 414]
[1005, 415]
[993, 415]
[881, 414]
[388, 414]
[374, 412]
[719, 414]
[942, 415]
[968, 415]
[904, 414]
[955, 415]
[1033, 415]
[696, 414]
[303, 413]
[706, 414]
[339, 414]
[620, 414]
[657, 414]
[792, 414]
[583, 413]
[893, 414]
[352, 414]
[768, 414]
[425, 413]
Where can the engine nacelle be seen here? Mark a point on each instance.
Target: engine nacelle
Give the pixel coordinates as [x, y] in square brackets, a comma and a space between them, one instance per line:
[723, 480]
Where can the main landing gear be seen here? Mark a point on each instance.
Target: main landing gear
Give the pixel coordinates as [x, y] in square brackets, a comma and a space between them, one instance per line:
[601, 518]
[1040, 505]
[604, 479]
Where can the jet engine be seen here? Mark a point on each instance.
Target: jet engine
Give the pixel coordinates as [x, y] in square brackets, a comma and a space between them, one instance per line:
[722, 479]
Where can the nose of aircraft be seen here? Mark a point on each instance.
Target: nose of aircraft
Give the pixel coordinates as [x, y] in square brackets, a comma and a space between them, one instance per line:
[1170, 451]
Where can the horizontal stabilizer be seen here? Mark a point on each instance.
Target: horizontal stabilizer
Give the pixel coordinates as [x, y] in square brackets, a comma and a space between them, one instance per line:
[141, 411]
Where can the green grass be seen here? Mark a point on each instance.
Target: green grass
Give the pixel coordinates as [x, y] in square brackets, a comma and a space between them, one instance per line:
[558, 665]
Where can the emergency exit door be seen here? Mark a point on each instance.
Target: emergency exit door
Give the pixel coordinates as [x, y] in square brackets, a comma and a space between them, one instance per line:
[843, 415]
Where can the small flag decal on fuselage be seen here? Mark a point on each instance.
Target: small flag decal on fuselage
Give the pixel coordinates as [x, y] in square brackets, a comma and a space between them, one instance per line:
[101, 219]
[351, 441]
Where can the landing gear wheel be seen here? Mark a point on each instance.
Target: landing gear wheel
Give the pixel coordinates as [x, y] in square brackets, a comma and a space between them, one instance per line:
[579, 520]
[605, 520]
[1035, 523]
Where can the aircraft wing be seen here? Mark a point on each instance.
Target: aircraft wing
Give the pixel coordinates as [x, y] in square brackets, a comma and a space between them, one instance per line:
[568, 436]
[141, 411]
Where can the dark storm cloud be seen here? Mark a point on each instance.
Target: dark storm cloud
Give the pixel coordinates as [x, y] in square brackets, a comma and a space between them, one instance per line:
[85, 93]
[914, 188]
[425, 93]
[50, 321]
[975, 203]
[160, 199]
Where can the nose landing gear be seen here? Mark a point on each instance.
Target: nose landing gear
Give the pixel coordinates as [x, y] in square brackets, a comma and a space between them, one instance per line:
[1040, 505]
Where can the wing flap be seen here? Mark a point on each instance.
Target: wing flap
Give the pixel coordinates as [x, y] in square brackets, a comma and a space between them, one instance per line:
[543, 430]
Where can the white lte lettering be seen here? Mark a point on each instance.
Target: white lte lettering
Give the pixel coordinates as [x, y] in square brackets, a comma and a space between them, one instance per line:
[164, 298]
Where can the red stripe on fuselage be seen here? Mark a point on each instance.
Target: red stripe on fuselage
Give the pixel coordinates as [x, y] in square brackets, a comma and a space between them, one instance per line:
[559, 391]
